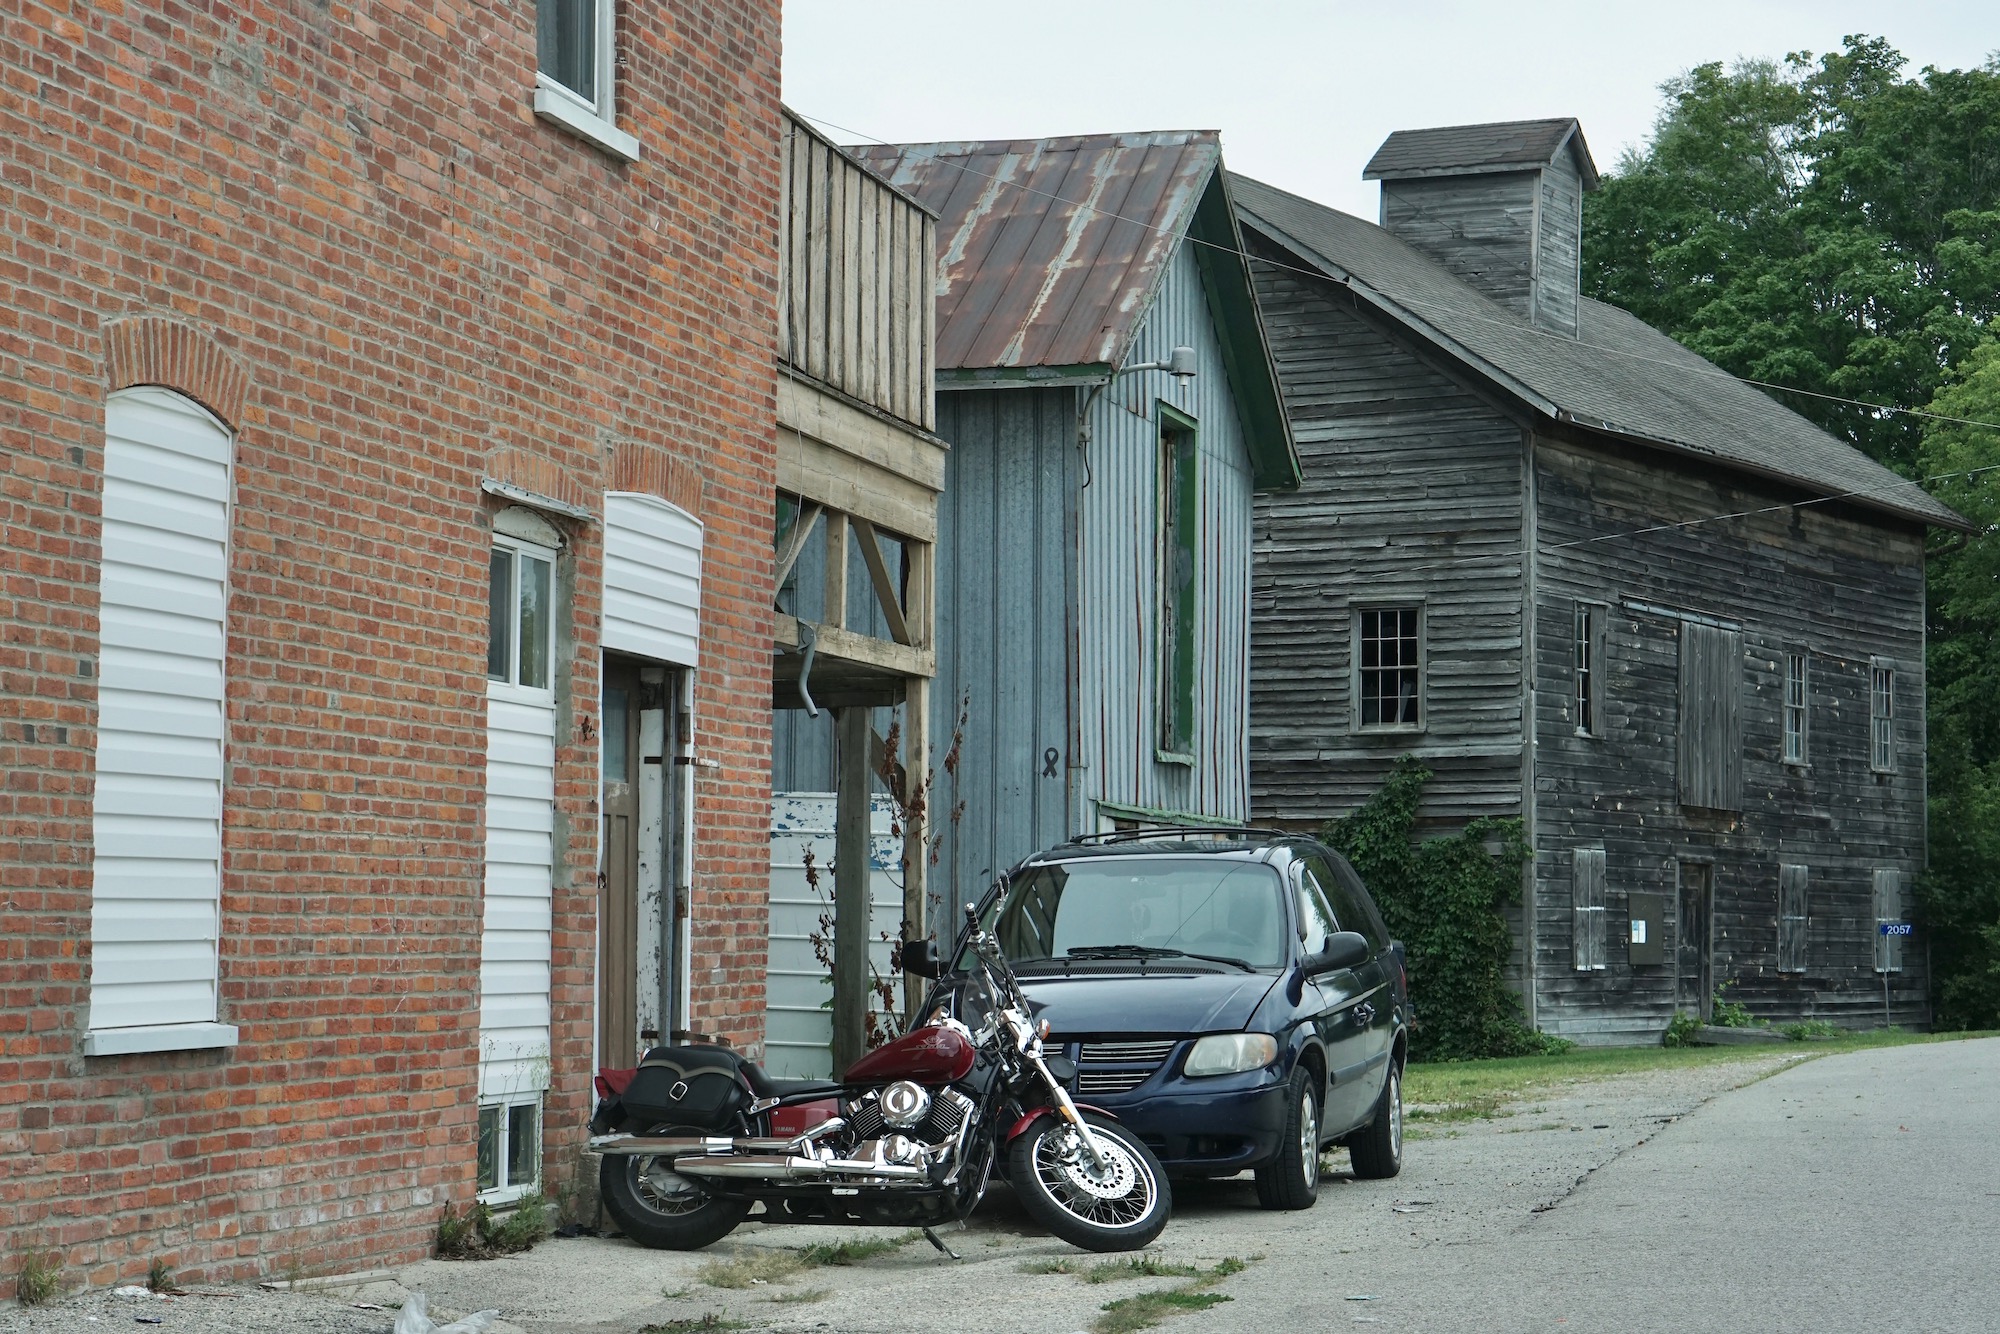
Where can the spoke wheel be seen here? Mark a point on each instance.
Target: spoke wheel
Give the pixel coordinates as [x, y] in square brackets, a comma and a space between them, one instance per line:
[661, 1209]
[1120, 1204]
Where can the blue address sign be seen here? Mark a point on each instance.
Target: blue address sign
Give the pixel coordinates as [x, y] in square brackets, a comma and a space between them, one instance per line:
[1894, 928]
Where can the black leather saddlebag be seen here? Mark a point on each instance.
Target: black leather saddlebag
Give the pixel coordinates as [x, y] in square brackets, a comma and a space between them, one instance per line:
[696, 1087]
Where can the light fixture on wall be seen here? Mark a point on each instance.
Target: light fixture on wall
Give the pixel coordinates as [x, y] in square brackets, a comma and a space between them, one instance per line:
[1180, 364]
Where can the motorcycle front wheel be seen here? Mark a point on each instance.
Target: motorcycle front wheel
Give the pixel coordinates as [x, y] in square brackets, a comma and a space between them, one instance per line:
[1119, 1206]
[661, 1209]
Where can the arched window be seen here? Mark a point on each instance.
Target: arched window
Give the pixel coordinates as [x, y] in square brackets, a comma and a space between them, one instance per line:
[156, 820]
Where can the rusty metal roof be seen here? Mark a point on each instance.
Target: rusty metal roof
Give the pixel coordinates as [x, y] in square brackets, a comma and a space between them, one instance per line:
[1049, 250]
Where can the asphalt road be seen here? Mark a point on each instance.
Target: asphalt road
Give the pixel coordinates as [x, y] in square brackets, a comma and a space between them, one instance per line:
[1856, 1192]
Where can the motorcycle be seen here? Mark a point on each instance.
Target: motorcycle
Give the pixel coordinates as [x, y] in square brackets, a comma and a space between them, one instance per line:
[698, 1136]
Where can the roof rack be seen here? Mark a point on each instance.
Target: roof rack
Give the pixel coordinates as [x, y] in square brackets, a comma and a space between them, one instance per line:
[1181, 831]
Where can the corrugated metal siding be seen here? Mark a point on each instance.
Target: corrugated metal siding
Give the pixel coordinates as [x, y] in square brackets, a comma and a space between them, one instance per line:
[520, 871]
[1119, 615]
[156, 824]
[652, 579]
[1003, 587]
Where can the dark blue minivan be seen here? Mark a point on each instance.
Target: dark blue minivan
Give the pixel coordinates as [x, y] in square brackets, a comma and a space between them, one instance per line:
[1231, 996]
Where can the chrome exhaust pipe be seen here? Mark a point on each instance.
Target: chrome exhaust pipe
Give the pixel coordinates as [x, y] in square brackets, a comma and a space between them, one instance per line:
[673, 1146]
[790, 1166]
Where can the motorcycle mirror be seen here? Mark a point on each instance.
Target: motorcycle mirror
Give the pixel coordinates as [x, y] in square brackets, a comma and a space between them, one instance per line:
[918, 959]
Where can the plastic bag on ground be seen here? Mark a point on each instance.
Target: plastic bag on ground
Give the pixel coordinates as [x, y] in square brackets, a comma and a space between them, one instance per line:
[415, 1318]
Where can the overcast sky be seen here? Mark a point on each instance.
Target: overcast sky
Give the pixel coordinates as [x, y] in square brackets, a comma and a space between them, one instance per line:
[1303, 93]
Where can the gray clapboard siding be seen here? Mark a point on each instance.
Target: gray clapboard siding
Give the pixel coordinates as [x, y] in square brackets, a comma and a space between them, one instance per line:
[1481, 227]
[1813, 577]
[1558, 246]
[1412, 489]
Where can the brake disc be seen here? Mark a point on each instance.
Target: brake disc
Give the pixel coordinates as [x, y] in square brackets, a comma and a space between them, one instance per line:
[1112, 1181]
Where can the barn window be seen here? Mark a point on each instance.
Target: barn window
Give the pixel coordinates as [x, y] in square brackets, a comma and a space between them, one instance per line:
[519, 647]
[1389, 667]
[1711, 736]
[1881, 716]
[156, 811]
[1589, 669]
[1797, 714]
[1791, 918]
[510, 1148]
[576, 71]
[1587, 894]
[1178, 585]
[1888, 913]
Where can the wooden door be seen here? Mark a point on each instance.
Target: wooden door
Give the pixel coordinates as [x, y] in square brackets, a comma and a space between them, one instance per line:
[618, 877]
[1697, 940]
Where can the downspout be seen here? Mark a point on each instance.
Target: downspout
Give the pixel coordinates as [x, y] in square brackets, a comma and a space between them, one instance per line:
[1076, 773]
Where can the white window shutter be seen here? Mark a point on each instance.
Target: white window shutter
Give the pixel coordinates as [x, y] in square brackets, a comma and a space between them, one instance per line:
[156, 818]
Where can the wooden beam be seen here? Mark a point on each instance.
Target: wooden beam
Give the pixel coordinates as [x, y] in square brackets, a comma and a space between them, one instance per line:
[795, 542]
[886, 592]
[906, 451]
[834, 609]
[810, 469]
[919, 592]
[862, 650]
[850, 890]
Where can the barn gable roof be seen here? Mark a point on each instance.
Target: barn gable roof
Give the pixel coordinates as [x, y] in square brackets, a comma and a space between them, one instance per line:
[1050, 252]
[1618, 375]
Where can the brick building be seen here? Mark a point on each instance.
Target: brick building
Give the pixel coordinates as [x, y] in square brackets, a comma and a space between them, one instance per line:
[389, 416]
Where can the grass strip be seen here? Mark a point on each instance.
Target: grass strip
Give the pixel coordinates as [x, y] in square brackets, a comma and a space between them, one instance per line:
[775, 1266]
[1150, 1308]
[714, 1320]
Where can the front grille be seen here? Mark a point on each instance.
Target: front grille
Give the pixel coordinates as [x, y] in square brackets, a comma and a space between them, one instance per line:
[1126, 1053]
[1119, 1065]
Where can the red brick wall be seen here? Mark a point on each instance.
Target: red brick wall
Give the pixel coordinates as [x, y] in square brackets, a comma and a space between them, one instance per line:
[341, 228]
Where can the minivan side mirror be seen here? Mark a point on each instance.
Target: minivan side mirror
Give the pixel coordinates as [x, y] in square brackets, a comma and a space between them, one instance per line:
[918, 958]
[1344, 949]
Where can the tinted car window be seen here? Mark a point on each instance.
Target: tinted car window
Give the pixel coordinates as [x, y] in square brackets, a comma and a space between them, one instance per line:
[1315, 917]
[1197, 905]
[1352, 908]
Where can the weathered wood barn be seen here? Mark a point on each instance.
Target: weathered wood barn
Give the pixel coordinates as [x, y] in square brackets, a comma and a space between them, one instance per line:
[1593, 582]
[1093, 542]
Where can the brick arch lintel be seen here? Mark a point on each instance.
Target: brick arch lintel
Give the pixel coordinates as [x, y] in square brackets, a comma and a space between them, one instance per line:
[650, 470]
[151, 349]
[530, 478]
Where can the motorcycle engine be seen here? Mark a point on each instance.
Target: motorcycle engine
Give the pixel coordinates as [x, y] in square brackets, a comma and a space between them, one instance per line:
[934, 1132]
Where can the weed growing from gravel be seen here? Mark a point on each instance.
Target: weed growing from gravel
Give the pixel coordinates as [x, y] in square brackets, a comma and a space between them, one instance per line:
[776, 1266]
[160, 1277]
[803, 1295]
[713, 1320]
[1150, 1308]
[1048, 1267]
[477, 1235]
[854, 1252]
[40, 1280]
[1137, 1266]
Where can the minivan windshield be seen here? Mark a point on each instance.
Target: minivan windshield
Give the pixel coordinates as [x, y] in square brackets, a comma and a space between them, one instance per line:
[1146, 907]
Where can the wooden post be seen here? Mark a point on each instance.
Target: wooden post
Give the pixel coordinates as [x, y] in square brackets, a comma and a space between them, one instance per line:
[920, 613]
[850, 889]
[834, 612]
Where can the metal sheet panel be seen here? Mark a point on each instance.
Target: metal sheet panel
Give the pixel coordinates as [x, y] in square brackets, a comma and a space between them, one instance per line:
[156, 817]
[652, 579]
[1049, 249]
[1119, 612]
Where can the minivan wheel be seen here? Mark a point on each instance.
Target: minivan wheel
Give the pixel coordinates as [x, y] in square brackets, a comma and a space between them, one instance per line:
[1377, 1149]
[1291, 1180]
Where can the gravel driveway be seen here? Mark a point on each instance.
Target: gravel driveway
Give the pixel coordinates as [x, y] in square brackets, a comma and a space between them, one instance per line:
[1463, 1183]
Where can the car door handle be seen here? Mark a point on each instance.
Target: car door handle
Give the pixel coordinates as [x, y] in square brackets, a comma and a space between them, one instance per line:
[1364, 1014]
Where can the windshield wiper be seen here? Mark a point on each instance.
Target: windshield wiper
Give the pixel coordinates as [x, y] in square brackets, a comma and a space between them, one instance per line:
[1150, 952]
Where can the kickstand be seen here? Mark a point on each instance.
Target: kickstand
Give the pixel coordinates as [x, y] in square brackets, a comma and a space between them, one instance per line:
[938, 1242]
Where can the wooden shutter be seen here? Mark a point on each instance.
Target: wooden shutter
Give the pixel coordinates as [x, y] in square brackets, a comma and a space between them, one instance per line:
[1791, 918]
[1888, 909]
[1587, 890]
[156, 817]
[1711, 728]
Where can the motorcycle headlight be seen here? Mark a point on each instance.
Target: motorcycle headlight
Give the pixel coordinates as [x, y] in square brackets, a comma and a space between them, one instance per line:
[1230, 1053]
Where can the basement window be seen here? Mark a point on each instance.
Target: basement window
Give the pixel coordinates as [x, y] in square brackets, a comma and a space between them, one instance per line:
[1389, 668]
[576, 46]
[510, 1149]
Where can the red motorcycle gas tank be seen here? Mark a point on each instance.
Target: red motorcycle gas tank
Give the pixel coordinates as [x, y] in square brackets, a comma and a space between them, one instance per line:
[929, 1055]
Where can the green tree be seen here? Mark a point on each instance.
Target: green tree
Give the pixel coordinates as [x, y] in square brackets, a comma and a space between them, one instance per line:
[1831, 226]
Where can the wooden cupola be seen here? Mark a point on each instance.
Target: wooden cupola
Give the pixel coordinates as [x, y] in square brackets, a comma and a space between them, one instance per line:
[1499, 205]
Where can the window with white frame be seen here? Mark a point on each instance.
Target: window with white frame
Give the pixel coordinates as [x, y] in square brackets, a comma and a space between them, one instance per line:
[1797, 713]
[521, 647]
[1881, 716]
[1388, 673]
[510, 1148]
[576, 45]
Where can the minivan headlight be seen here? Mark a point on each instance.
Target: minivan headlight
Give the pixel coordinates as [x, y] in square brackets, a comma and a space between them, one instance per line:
[1230, 1053]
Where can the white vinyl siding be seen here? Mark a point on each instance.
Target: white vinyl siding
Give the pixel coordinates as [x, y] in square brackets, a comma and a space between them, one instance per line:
[652, 579]
[156, 818]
